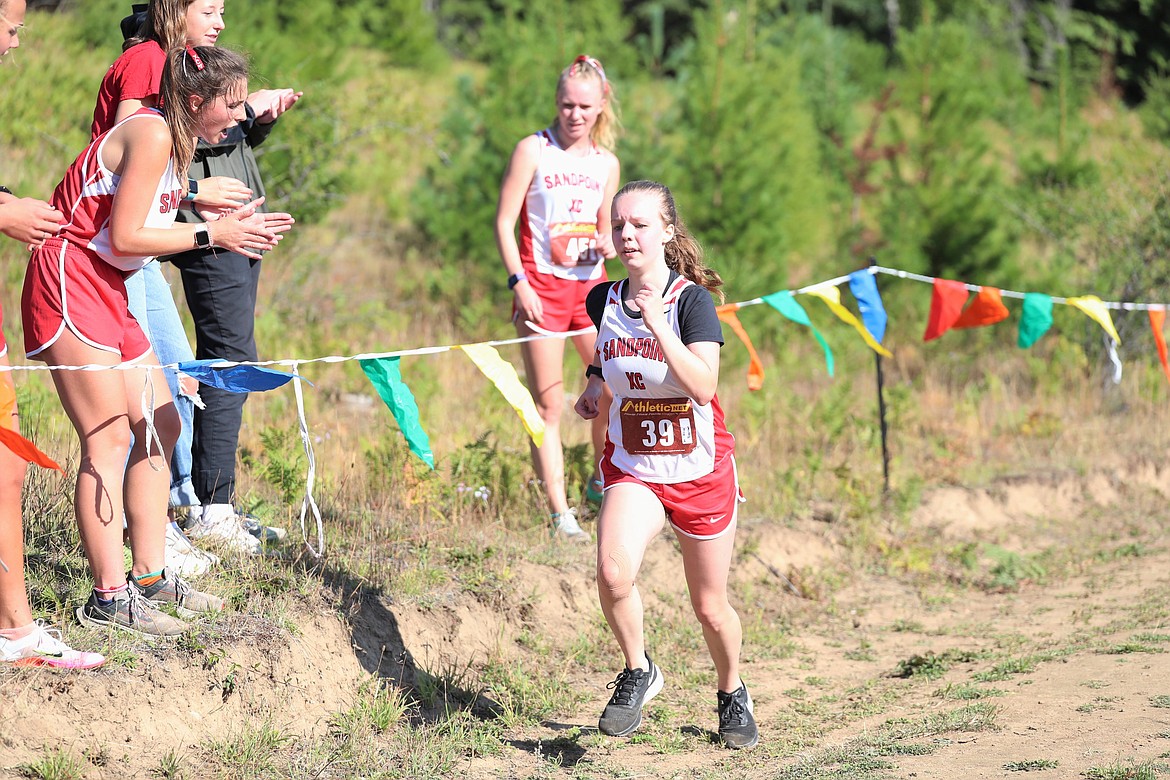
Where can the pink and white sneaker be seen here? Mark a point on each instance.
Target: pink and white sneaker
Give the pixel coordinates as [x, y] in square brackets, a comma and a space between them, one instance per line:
[43, 647]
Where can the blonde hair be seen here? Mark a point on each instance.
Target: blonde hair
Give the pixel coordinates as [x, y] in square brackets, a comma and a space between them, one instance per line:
[683, 253]
[165, 24]
[207, 72]
[605, 131]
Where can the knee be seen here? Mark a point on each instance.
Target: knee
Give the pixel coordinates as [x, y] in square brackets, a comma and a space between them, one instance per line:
[713, 611]
[108, 446]
[615, 576]
[549, 406]
[168, 425]
[12, 471]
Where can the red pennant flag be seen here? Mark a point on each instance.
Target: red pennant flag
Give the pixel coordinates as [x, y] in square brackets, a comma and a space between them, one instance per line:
[26, 450]
[755, 377]
[1157, 320]
[946, 306]
[986, 309]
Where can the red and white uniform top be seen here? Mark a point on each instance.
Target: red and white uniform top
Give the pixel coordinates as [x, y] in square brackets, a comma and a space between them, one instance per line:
[86, 197]
[560, 212]
[659, 434]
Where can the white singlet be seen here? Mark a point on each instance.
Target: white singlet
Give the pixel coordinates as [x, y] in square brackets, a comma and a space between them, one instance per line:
[560, 212]
[86, 197]
[659, 433]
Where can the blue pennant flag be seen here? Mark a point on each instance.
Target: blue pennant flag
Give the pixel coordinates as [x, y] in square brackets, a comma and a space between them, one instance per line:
[863, 285]
[235, 379]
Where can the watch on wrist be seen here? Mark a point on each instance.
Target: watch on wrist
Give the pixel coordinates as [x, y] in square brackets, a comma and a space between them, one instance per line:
[592, 370]
[202, 237]
[5, 190]
[515, 279]
[192, 187]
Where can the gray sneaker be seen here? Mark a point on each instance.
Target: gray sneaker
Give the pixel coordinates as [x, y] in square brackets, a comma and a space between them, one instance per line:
[129, 612]
[631, 690]
[174, 590]
[737, 723]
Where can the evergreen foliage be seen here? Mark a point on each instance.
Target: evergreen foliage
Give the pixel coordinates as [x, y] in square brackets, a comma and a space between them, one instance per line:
[946, 212]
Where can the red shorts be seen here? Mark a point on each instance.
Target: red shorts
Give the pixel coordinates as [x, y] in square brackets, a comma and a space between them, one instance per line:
[562, 300]
[703, 508]
[67, 287]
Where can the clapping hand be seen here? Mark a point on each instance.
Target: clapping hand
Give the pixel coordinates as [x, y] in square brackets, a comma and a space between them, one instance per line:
[250, 232]
[220, 194]
[269, 104]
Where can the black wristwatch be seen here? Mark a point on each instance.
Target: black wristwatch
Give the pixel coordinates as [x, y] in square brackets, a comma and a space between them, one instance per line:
[202, 237]
[192, 187]
[5, 190]
[592, 370]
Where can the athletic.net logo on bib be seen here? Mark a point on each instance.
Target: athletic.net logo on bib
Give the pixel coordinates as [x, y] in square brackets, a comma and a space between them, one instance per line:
[658, 426]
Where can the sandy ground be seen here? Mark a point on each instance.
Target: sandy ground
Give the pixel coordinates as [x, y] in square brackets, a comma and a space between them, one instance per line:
[1099, 617]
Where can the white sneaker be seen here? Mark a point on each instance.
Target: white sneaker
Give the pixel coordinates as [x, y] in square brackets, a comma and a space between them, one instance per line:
[220, 523]
[185, 558]
[568, 528]
[43, 647]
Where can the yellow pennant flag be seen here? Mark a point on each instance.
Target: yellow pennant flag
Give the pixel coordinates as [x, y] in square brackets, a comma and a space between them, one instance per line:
[503, 376]
[832, 298]
[1094, 307]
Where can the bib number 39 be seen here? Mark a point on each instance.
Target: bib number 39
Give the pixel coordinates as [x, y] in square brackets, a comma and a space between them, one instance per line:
[658, 426]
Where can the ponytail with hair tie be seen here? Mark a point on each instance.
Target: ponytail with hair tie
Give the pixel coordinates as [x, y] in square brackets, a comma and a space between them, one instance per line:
[596, 65]
[195, 58]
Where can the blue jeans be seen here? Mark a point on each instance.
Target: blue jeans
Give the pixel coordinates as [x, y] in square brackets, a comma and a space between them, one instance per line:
[150, 301]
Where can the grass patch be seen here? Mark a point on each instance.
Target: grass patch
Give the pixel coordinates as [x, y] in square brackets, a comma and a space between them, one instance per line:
[55, 764]
[1034, 765]
[967, 692]
[1124, 770]
[864, 758]
[931, 666]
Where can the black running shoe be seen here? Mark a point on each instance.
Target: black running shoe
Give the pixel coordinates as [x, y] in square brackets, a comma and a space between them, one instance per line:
[737, 725]
[631, 690]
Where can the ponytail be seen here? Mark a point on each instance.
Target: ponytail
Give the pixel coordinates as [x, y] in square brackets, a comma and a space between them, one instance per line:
[683, 252]
[605, 131]
[206, 72]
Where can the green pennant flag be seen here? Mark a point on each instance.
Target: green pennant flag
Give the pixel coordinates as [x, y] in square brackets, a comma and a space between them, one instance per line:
[386, 378]
[787, 305]
[1036, 318]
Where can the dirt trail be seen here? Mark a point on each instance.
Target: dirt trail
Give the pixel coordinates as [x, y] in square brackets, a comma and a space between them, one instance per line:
[1092, 622]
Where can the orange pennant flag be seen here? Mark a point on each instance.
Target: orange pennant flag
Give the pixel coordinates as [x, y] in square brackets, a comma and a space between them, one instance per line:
[755, 376]
[22, 447]
[986, 308]
[26, 450]
[1157, 320]
[946, 306]
[7, 402]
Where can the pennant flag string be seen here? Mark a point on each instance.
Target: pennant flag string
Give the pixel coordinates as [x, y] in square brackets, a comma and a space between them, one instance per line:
[309, 503]
[1089, 304]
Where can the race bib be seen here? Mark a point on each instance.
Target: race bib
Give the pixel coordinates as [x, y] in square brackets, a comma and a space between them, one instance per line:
[658, 426]
[572, 243]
